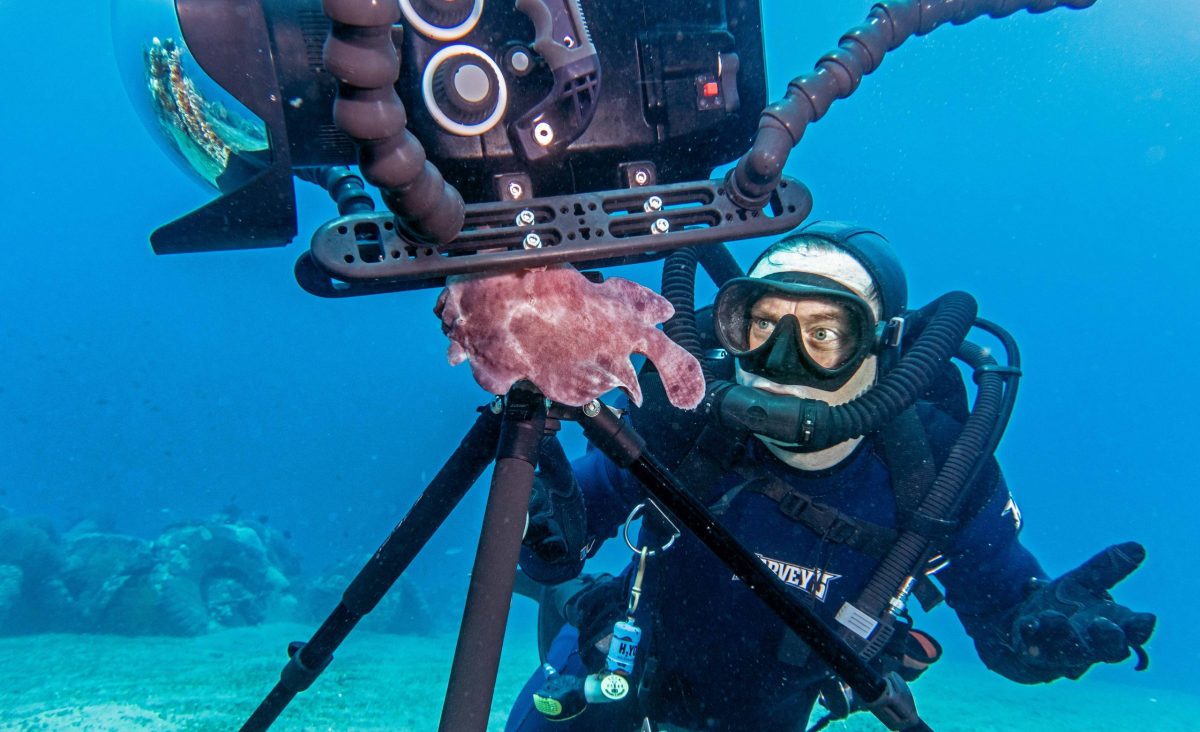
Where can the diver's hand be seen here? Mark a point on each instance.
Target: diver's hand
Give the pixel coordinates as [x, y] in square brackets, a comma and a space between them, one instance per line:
[1066, 625]
[557, 521]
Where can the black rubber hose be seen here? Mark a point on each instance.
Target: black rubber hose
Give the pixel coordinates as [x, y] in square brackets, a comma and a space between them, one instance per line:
[941, 504]
[815, 425]
[1012, 377]
[679, 288]
[915, 372]
[343, 186]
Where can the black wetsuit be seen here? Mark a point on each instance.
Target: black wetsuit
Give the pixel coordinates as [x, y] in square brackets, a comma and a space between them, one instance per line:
[716, 648]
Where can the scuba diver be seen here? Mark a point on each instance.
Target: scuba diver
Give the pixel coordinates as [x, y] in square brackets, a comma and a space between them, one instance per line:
[687, 646]
[531, 135]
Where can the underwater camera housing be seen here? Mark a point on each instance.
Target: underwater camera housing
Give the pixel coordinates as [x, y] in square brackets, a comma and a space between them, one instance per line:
[543, 114]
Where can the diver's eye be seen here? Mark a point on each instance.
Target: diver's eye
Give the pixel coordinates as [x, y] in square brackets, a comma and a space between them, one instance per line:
[762, 325]
[825, 338]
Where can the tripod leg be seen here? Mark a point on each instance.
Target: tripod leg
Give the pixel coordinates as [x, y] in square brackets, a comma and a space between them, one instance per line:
[477, 656]
[308, 660]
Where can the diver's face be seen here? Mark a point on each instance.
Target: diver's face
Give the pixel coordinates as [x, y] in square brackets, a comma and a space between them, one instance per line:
[826, 332]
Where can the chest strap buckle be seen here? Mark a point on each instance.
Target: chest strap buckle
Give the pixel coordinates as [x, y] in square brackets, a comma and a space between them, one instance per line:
[826, 521]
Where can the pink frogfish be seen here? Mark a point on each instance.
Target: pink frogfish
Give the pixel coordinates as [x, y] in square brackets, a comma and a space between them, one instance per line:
[570, 337]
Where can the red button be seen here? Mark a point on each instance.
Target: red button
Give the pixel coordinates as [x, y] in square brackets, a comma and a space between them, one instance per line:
[711, 89]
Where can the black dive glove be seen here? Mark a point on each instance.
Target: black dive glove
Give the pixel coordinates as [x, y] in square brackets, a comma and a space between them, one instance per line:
[1065, 626]
[557, 530]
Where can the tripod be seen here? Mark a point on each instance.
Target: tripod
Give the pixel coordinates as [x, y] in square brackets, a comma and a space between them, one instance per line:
[510, 432]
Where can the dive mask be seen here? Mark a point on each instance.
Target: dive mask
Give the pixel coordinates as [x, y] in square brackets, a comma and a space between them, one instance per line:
[782, 348]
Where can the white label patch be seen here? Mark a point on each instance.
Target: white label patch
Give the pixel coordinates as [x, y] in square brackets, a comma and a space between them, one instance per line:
[856, 620]
[807, 579]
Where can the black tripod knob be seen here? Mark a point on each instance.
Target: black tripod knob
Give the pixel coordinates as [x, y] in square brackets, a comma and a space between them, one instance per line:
[465, 92]
[444, 13]
[442, 20]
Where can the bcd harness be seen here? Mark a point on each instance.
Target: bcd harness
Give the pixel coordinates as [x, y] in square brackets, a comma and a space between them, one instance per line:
[903, 445]
[703, 461]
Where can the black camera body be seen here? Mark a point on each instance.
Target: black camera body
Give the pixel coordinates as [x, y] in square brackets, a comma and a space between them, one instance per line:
[681, 88]
[583, 129]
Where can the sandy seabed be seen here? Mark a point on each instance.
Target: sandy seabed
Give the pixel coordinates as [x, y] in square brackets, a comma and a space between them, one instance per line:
[385, 682]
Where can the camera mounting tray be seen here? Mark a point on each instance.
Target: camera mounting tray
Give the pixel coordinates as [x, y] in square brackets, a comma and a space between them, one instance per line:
[368, 253]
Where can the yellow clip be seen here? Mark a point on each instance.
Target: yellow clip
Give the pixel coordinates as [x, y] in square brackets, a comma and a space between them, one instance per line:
[547, 706]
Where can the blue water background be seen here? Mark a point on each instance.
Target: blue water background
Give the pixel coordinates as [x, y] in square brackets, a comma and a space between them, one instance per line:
[1048, 164]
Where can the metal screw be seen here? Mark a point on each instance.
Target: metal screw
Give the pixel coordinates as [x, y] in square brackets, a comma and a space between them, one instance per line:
[526, 218]
[515, 189]
[660, 226]
[591, 409]
[497, 405]
[653, 203]
[543, 133]
[641, 177]
[532, 241]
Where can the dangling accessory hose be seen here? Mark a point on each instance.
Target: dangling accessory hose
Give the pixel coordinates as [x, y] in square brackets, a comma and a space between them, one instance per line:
[342, 185]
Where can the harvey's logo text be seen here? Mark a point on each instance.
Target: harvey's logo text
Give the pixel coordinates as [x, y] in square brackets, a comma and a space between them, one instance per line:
[807, 579]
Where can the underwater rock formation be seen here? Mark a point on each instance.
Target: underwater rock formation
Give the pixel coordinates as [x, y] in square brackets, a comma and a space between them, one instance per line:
[32, 594]
[194, 578]
[212, 575]
[101, 575]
